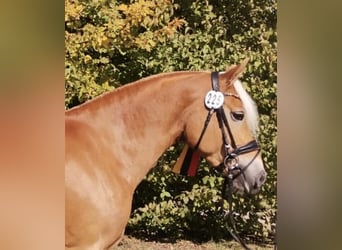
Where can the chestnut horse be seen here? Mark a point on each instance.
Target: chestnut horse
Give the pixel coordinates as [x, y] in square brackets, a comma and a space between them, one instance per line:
[112, 142]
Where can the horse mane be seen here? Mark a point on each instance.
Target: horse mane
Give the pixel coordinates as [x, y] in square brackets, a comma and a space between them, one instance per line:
[250, 108]
[123, 90]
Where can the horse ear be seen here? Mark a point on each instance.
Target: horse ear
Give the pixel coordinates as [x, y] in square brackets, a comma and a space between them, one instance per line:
[233, 72]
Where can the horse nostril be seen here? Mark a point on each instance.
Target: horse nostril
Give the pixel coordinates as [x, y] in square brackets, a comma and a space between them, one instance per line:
[261, 178]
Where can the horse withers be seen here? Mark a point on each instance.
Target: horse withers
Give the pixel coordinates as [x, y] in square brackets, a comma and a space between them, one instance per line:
[112, 141]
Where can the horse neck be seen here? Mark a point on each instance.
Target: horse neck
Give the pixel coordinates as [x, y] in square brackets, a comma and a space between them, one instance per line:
[141, 120]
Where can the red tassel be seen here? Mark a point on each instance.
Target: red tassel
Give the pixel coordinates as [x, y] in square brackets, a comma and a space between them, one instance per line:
[195, 158]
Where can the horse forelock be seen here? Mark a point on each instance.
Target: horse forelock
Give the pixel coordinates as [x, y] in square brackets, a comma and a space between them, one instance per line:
[250, 108]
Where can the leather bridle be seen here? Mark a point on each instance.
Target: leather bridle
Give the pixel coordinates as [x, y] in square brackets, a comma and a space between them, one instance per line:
[231, 161]
[229, 168]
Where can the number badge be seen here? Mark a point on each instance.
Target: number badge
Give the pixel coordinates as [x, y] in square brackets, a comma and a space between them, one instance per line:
[214, 99]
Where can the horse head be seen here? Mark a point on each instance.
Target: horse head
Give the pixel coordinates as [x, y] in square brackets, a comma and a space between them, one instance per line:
[228, 142]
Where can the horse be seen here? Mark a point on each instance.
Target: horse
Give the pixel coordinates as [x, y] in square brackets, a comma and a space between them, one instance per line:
[112, 141]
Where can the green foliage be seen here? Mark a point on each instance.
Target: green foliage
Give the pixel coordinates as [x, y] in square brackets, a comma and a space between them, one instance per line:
[106, 39]
[112, 42]
[168, 205]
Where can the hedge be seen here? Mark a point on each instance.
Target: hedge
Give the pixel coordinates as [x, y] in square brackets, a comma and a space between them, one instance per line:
[110, 43]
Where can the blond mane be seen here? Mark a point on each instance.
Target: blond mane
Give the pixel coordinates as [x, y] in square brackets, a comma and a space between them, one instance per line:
[250, 108]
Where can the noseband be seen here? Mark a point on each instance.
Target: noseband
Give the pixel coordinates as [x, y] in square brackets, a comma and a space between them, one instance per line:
[214, 102]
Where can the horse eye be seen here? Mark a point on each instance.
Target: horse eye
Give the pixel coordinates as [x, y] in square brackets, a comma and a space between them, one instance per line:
[237, 116]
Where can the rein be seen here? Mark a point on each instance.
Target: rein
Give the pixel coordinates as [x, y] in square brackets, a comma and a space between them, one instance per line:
[214, 102]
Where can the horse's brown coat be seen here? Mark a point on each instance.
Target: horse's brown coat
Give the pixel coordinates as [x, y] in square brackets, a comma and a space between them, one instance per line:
[115, 139]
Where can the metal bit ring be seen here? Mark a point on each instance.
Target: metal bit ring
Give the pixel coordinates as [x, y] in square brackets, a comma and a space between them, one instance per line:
[231, 161]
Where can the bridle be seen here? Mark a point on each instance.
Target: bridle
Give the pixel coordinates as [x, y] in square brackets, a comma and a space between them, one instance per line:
[232, 152]
[229, 168]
